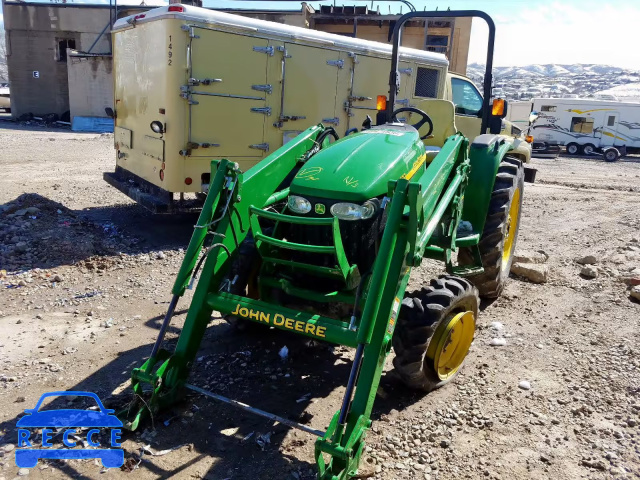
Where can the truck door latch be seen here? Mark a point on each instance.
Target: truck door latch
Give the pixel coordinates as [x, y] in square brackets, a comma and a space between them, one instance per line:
[336, 63]
[288, 118]
[263, 88]
[263, 110]
[268, 50]
[194, 82]
[332, 121]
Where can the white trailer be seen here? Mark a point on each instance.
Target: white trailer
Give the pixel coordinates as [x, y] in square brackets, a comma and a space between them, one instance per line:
[518, 113]
[588, 126]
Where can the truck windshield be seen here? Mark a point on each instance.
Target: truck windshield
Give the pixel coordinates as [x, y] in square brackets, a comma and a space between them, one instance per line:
[466, 97]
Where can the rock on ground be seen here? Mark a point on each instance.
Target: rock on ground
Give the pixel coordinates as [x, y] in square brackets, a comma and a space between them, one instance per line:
[587, 260]
[530, 256]
[589, 272]
[535, 273]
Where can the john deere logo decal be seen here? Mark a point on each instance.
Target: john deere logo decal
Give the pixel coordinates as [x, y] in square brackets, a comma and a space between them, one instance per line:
[320, 209]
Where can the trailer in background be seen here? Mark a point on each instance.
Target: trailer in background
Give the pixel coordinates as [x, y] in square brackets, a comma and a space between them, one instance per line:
[585, 126]
[518, 113]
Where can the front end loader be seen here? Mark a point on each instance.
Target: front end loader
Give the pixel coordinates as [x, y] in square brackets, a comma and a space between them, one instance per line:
[320, 239]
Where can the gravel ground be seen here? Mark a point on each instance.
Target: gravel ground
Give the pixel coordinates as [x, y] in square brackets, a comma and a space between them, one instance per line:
[85, 278]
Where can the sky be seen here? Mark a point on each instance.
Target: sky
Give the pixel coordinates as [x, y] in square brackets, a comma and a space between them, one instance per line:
[527, 31]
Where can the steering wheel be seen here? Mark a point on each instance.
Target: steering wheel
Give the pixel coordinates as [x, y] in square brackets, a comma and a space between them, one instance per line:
[425, 119]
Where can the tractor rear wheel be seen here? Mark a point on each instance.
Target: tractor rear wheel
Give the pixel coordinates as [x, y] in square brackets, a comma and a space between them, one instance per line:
[435, 329]
[498, 240]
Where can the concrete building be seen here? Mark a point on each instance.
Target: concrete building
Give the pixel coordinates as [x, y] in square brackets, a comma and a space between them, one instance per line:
[442, 35]
[90, 83]
[38, 36]
[59, 54]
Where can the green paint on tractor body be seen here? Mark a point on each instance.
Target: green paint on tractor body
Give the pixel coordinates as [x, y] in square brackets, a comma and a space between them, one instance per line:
[358, 167]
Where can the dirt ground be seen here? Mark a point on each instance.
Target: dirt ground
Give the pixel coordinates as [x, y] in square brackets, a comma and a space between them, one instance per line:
[87, 280]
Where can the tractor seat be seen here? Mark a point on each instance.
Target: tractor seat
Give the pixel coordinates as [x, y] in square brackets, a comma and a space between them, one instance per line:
[442, 113]
[431, 152]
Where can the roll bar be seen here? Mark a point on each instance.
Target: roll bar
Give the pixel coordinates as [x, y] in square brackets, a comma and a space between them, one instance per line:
[394, 75]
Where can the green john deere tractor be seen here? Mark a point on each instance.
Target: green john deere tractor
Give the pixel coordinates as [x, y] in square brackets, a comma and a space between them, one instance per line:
[320, 238]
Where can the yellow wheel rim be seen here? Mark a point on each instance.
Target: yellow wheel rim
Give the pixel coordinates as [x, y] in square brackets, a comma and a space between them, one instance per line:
[450, 344]
[512, 227]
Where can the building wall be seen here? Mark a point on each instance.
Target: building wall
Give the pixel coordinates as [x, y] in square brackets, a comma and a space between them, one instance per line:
[413, 37]
[296, 19]
[32, 34]
[90, 85]
[460, 47]
[31, 52]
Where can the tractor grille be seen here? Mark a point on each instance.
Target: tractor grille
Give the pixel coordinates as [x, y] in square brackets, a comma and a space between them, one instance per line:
[360, 239]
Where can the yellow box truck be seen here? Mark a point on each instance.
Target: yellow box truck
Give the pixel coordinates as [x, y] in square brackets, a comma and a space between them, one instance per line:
[193, 84]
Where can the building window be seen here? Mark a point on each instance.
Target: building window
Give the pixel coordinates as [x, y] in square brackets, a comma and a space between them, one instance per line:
[582, 125]
[437, 43]
[548, 108]
[466, 97]
[439, 23]
[426, 82]
[62, 48]
[611, 121]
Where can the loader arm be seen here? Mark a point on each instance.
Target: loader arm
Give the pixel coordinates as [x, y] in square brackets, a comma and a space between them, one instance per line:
[225, 219]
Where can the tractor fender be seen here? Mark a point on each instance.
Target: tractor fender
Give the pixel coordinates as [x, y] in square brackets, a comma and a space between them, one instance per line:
[485, 154]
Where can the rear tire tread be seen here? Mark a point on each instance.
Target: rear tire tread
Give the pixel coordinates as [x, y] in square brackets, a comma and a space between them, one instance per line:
[490, 283]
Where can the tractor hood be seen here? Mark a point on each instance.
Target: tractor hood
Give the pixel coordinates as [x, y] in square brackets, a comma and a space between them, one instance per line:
[358, 167]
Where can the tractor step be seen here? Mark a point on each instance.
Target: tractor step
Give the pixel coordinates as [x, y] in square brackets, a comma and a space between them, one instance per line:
[256, 411]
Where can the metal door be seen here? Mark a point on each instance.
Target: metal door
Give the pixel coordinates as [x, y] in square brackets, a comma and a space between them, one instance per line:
[226, 91]
[310, 77]
[370, 78]
[609, 130]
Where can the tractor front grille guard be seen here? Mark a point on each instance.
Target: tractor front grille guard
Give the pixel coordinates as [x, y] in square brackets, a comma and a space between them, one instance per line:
[270, 249]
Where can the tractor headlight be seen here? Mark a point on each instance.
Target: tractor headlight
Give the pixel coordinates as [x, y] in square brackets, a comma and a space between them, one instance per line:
[352, 211]
[299, 204]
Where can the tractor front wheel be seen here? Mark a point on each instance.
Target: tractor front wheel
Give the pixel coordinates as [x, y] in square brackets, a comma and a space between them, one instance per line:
[242, 280]
[498, 240]
[434, 333]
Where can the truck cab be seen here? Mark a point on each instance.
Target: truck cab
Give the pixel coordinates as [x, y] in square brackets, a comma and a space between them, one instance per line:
[468, 103]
